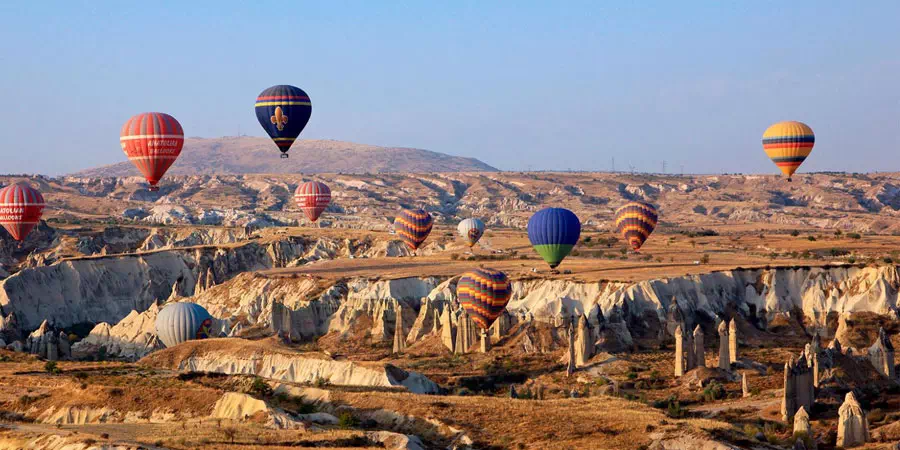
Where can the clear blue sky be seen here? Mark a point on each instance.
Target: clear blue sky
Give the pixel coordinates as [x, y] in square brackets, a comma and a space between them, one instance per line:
[516, 84]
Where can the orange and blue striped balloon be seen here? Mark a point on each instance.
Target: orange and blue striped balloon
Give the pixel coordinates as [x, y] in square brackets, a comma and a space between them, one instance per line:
[484, 293]
[788, 144]
[413, 227]
[635, 221]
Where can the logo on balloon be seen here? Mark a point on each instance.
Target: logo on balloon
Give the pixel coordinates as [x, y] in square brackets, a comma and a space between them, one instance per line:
[279, 119]
[205, 329]
[474, 234]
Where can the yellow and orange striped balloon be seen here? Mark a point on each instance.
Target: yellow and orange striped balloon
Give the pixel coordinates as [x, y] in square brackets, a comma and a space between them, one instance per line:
[788, 144]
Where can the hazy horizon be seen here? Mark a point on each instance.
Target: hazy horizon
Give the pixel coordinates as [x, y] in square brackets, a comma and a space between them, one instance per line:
[539, 86]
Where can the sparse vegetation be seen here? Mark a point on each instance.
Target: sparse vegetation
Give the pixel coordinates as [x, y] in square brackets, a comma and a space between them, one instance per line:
[52, 367]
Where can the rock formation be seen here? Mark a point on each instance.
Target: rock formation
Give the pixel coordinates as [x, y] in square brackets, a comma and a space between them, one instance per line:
[399, 335]
[45, 342]
[584, 342]
[724, 347]
[466, 333]
[570, 352]
[801, 422]
[241, 357]
[485, 342]
[428, 321]
[448, 330]
[130, 339]
[680, 359]
[745, 388]
[881, 355]
[732, 341]
[501, 326]
[699, 347]
[65, 348]
[853, 426]
[798, 388]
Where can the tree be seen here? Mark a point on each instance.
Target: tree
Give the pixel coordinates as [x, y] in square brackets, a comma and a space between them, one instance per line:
[230, 433]
[705, 259]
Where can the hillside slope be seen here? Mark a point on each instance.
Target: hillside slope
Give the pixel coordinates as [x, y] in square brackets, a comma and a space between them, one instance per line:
[244, 155]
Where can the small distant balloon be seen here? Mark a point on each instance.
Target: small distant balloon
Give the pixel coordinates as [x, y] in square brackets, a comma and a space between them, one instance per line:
[283, 111]
[21, 208]
[152, 142]
[635, 221]
[181, 322]
[413, 227]
[484, 293]
[788, 144]
[312, 197]
[471, 230]
[554, 232]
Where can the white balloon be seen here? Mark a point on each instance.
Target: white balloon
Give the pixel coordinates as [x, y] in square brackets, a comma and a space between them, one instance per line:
[471, 230]
[181, 322]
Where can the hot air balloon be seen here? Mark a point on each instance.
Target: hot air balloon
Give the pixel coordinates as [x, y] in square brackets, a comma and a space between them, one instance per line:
[21, 207]
[553, 232]
[471, 230]
[413, 227]
[283, 112]
[182, 322]
[635, 221]
[152, 141]
[788, 144]
[312, 197]
[484, 293]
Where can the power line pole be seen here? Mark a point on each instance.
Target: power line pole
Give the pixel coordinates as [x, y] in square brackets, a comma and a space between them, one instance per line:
[664, 167]
[614, 164]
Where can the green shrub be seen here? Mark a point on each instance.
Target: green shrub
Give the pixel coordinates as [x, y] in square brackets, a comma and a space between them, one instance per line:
[795, 233]
[347, 420]
[713, 391]
[854, 235]
[811, 238]
[260, 388]
[52, 368]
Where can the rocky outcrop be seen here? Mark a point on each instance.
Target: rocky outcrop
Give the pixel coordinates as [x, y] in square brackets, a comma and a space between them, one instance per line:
[466, 333]
[801, 422]
[680, 356]
[699, 347]
[881, 355]
[724, 347]
[584, 342]
[247, 358]
[799, 391]
[853, 426]
[375, 300]
[241, 407]
[732, 341]
[45, 342]
[428, 322]
[131, 338]
[399, 335]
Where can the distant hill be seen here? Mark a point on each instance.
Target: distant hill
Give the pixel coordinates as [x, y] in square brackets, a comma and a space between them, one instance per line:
[245, 155]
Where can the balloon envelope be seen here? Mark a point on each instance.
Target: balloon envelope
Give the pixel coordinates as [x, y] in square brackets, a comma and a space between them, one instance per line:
[283, 111]
[471, 230]
[788, 144]
[484, 293]
[21, 207]
[152, 142]
[635, 221]
[182, 322]
[312, 197]
[553, 232]
[413, 227]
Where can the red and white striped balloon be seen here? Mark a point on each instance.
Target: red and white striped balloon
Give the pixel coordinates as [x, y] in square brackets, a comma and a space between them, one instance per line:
[152, 141]
[312, 197]
[21, 207]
